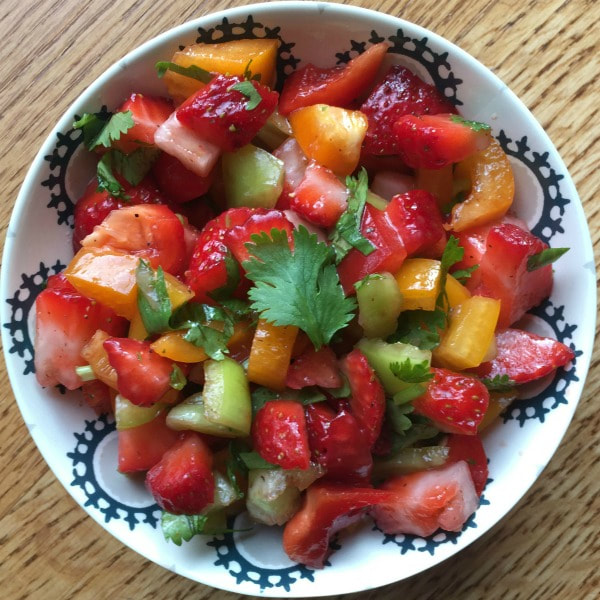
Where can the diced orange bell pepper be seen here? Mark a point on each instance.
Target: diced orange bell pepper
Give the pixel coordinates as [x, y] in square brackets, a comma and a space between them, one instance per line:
[437, 182]
[107, 276]
[270, 354]
[97, 358]
[498, 402]
[419, 283]
[227, 58]
[330, 135]
[492, 188]
[469, 334]
[172, 345]
[456, 292]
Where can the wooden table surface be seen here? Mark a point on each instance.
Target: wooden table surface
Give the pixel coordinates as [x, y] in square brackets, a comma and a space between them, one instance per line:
[548, 53]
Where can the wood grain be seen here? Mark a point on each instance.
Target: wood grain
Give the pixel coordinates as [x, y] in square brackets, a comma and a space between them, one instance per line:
[547, 52]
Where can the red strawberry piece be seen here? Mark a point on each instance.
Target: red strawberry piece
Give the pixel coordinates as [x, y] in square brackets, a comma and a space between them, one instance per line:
[320, 197]
[455, 403]
[294, 165]
[470, 449]
[400, 93]
[148, 114]
[314, 367]
[140, 448]
[279, 434]
[435, 141]
[367, 402]
[525, 356]
[65, 323]
[183, 483]
[423, 502]
[177, 182]
[220, 113]
[143, 376]
[97, 396]
[416, 216]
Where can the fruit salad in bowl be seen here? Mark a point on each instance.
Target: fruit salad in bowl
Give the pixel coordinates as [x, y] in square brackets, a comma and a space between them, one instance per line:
[309, 316]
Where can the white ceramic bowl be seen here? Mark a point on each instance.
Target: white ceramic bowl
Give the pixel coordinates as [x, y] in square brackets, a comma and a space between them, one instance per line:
[81, 449]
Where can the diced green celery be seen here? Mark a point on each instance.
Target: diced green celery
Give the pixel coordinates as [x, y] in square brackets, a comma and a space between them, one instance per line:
[128, 415]
[227, 396]
[376, 201]
[380, 354]
[275, 131]
[410, 460]
[252, 177]
[189, 415]
[379, 304]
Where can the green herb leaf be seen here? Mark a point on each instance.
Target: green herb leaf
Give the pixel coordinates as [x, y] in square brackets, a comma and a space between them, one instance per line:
[346, 234]
[474, 125]
[153, 299]
[106, 180]
[260, 396]
[396, 415]
[103, 133]
[91, 124]
[177, 378]
[135, 165]
[310, 395]
[453, 253]
[182, 528]
[192, 71]
[247, 74]
[420, 328]
[247, 89]
[411, 371]
[233, 279]
[300, 288]
[341, 392]
[236, 465]
[253, 460]
[544, 258]
[459, 197]
[463, 274]
[499, 383]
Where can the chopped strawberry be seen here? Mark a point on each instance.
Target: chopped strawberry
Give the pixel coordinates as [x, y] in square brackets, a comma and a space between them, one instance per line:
[426, 501]
[279, 434]
[183, 483]
[455, 403]
[152, 232]
[143, 376]
[470, 449]
[400, 93]
[148, 114]
[435, 141]
[260, 221]
[93, 207]
[417, 218]
[177, 182]
[97, 396]
[320, 197]
[336, 86]
[367, 402]
[314, 367]
[65, 323]
[226, 116]
[140, 448]
[525, 356]
[294, 165]
[339, 444]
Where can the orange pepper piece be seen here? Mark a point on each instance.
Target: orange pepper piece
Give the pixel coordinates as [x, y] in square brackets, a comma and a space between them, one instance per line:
[96, 356]
[270, 354]
[227, 58]
[330, 135]
[419, 282]
[456, 292]
[437, 182]
[492, 188]
[172, 345]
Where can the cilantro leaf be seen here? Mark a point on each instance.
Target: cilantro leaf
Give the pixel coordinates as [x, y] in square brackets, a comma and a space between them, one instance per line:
[106, 179]
[347, 234]
[233, 279]
[192, 71]
[235, 464]
[463, 274]
[135, 165]
[397, 418]
[544, 258]
[177, 378]
[253, 460]
[341, 392]
[247, 89]
[153, 299]
[91, 124]
[474, 125]
[411, 371]
[499, 383]
[247, 74]
[182, 528]
[420, 328]
[260, 396]
[97, 132]
[299, 288]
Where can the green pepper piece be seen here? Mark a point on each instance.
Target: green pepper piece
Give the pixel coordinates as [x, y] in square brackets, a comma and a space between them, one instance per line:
[379, 304]
[190, 415]
[129, 415]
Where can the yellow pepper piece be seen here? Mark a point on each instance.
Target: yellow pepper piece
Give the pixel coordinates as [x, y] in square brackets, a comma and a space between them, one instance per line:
[492, 188]
[270, 354]
[456, 292]
[437, 182]
[172, 345]
[227, 58]
[96, 356]
[137, 331]
[498, 402]
[469, 334]
[330, 135]
[419, 283]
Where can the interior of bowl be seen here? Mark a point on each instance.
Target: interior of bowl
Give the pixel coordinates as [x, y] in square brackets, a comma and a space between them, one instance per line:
[81, 449]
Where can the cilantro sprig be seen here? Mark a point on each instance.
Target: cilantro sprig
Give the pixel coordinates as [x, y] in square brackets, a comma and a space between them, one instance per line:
[98, 131]
[153, 301]
[476, 126]
[544, 258]
[499, 383]
[247, 89]
[411, 371]
[193, 71]
[182, 528]
[299, 287]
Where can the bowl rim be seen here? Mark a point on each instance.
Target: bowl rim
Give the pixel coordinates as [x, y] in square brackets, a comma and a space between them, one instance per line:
[258, 9]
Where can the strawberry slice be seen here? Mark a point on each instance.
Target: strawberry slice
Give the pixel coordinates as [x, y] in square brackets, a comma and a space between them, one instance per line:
[424, 502]
[183, 483]
[65, 323]
[294, 165]
[279, 434]
[400, 93]
[229, 111]
[367, 402]
[97, 396]
[469, 448]
[177, 182]
[320, 197]
[143, 376]
[525, 356]
[434, 141]
[455, 403]
[314, 367]
[148, 114]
